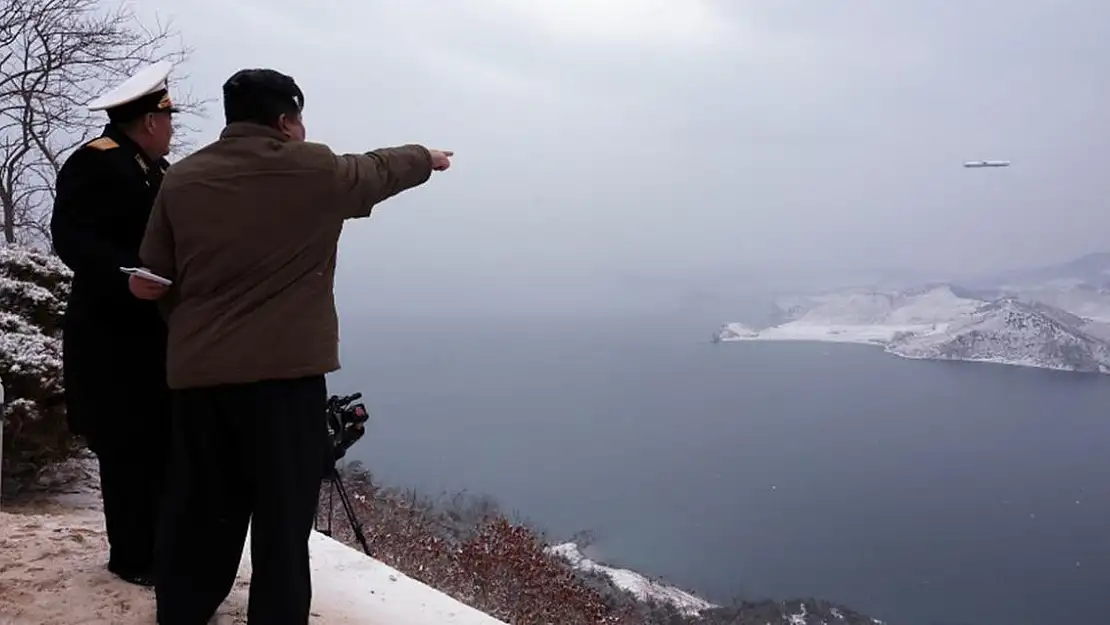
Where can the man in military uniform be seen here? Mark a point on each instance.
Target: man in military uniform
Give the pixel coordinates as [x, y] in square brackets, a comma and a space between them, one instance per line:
[114, 345]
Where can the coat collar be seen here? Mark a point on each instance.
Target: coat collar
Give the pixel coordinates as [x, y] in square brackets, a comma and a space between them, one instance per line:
[144, 161]
[249, 129]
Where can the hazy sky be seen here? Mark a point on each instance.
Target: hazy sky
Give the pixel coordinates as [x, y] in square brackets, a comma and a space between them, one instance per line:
[610, 144]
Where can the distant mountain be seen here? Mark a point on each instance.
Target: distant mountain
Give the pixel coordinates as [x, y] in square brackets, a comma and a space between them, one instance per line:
[1080, 286]
[1091, 269]
[947, 322]
[1081, 299]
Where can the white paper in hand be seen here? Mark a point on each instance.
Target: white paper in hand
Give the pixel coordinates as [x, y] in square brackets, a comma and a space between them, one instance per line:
[143, 273]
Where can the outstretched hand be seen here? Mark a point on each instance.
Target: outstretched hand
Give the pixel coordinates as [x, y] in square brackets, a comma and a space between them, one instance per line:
[441, 159]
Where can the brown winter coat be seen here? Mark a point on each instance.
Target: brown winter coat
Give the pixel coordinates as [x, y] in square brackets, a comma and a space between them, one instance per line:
[247, 228]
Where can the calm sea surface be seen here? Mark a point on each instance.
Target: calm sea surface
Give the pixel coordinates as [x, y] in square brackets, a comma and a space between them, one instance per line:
[919, 492]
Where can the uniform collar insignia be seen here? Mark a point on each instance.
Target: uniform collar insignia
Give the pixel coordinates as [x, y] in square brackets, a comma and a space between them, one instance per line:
[142, 163]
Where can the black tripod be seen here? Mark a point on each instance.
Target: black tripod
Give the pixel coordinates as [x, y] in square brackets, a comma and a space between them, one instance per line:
[346, 423]
[335, 483]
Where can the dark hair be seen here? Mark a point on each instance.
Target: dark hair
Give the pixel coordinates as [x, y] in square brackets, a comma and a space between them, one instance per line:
[261, 96]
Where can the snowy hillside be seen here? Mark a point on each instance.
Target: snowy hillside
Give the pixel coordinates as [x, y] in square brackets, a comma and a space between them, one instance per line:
[635, 583]
[1092, 269]
[1011, 332]
[1085, 300]
[860, 316]
[921, 307]
[948, 323]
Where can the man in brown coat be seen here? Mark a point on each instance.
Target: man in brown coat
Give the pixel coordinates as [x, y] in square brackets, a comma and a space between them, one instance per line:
[246, 228]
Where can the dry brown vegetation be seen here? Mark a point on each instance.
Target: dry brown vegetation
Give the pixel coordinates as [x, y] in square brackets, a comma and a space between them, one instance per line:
[473, 554]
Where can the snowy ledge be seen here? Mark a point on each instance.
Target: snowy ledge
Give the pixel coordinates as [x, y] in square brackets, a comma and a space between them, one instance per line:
[350, 587]
[53, 572]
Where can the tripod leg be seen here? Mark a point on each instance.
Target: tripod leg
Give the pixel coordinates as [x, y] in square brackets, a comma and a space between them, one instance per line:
[352, 518]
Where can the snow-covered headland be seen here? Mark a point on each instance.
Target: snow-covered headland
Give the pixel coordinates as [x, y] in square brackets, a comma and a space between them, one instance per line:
[643, 588]
[698, 610]
[1027, 327]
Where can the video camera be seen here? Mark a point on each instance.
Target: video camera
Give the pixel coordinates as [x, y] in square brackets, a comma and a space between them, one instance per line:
[346, 422]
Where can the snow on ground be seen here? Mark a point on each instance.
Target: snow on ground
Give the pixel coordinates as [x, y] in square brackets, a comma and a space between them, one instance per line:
[877, 307]
[798, 331]
[52, 573]
[633, 582]
[861, 316]
[935, 306]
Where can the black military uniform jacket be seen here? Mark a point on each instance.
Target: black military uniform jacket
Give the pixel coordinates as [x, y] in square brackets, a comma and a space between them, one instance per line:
[113, 343]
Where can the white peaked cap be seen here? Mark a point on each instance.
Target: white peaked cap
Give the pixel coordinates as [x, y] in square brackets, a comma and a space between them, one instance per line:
[148, 80]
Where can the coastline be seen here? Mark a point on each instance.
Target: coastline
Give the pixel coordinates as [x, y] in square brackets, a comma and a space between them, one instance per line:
[881, 337]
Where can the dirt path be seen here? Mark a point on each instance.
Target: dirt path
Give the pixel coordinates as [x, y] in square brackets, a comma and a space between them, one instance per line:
[52, 571]
[53, 554]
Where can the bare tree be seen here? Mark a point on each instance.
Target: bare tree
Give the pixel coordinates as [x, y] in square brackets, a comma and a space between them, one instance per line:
[56, 56]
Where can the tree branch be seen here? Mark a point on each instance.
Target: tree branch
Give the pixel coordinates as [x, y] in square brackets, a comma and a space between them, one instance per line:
[55, 56]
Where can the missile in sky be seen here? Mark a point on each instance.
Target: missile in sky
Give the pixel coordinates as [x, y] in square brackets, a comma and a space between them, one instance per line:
[987, 164]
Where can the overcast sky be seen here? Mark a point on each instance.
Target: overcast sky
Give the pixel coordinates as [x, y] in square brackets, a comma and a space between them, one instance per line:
[609, 144]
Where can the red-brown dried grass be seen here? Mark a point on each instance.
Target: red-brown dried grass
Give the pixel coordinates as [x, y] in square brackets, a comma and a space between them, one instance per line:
[501, 568]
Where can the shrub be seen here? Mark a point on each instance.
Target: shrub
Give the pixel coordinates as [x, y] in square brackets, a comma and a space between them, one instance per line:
[473, 553]
[33, 291]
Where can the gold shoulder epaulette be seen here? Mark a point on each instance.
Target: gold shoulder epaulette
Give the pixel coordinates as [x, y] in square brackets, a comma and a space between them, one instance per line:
[103, 143]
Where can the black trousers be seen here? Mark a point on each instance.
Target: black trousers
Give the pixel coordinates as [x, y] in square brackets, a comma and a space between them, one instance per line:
[242, 454]
[129, 431]
[131, 486]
